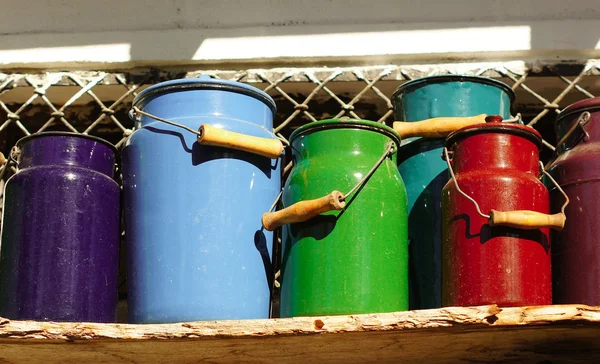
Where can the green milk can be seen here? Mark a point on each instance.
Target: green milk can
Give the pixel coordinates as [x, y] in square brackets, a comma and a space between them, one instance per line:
[346, 251]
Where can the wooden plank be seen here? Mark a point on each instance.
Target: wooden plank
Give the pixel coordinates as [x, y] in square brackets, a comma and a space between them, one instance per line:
[566, 333]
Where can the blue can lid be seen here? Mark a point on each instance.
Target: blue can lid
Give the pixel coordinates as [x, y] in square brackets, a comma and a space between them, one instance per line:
[203, 82]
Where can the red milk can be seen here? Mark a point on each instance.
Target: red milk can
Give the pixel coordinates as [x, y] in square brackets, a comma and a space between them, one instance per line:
[495, 218]
[576, 249]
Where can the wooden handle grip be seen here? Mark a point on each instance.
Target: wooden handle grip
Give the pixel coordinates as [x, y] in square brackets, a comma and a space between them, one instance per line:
[2, 158]
[435, 127]
[303, 210]
[209, 135]
[524, 219]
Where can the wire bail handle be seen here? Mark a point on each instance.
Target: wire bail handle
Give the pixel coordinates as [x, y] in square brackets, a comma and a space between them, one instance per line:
[306, 210]
[13, 159]
[522, 219]
[582, 121]
[210, 135]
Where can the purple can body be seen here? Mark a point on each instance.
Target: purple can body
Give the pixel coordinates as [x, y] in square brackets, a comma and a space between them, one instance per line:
[60, 231]
[576, 249]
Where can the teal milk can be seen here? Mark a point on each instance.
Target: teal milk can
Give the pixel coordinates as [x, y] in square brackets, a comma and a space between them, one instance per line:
[430, 108]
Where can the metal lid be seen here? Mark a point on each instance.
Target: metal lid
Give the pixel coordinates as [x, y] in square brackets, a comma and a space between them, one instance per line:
[65, 134]
[204, 82]
[592, 104]
[407, 86]
[494, 124]
[347, 123]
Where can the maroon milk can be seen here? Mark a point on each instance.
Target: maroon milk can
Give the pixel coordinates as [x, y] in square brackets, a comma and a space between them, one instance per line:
[576, 249]
[495, 218]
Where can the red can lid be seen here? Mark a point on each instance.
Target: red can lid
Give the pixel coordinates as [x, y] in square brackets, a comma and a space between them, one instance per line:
[494, 124]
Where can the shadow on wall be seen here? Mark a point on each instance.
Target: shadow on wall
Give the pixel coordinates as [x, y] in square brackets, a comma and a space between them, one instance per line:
[180, 30]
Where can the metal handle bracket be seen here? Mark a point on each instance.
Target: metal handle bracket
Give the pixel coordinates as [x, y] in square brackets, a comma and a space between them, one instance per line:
[522, 219]
[209, 135]
[306, 210]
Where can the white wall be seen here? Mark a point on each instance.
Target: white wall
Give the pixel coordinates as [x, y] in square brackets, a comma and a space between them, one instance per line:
[68, 33]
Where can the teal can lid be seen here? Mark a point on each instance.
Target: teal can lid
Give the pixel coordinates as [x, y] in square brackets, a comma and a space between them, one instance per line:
[413, 84]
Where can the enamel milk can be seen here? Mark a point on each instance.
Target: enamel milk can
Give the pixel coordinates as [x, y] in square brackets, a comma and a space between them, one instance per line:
[495, 218]
[427, 110]
[575, 250]
[344, 221]
[60, 230]
[199, 171]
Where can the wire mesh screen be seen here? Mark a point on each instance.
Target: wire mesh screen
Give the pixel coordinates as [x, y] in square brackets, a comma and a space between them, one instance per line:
[97, 103]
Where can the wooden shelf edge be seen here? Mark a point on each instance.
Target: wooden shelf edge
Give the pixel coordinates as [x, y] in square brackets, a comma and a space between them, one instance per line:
[475, 317]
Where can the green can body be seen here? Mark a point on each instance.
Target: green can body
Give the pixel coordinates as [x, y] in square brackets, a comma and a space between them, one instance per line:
[355, 260]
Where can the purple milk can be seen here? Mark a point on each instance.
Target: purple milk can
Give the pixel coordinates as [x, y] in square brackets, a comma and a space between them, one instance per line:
[576, 250]
[60, 231]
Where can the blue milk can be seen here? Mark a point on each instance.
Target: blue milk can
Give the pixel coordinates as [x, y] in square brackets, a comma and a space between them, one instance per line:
[196, 249]
[425, 173]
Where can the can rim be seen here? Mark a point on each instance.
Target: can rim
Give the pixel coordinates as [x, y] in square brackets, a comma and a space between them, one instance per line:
[524, 131]
[347, 123]
[202, 83]
[592, 104]
[452, 78]
[65, 133]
